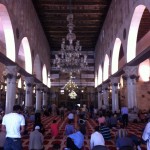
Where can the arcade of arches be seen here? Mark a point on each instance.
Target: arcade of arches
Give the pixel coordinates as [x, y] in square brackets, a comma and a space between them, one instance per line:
[122, 58]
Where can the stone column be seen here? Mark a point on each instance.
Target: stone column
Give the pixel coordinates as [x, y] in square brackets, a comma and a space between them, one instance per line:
[105, 95]
[38, 97]
[100, 97]
[115, 104]
[11, 73]
[45, 96]
[131, 73]
[29, 91]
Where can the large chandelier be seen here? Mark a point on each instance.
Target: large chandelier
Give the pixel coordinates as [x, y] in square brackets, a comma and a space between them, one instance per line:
[70, 58]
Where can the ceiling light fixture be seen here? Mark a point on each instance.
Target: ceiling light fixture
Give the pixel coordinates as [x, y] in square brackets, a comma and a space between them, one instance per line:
[70, 85]
[70, 58]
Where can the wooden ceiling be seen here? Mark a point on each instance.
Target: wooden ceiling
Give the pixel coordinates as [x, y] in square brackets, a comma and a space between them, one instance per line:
[89, 16]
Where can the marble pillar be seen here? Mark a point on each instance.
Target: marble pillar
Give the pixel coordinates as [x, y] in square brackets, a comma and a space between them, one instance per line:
[99, 97]
[45, 96]
[38, 97]
[99, 100]
[11, 73]
[115, 102]
[131, 73]
[29, 92]
[105, 95]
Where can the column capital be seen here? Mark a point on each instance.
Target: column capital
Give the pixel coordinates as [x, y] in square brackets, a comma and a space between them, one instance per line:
[39, 86]
[115, 80]
[105, 86]
[10, 72]
[131, 70]
[29, 81]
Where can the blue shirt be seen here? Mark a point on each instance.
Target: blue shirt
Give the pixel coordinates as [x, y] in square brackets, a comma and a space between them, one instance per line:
[124, 141]
[69, 129]
[78, 139]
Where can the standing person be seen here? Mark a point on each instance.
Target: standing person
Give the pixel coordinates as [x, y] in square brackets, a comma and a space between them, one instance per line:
[97, 139]
[62, 112]
[146, 135]
[14, 124]
[36, 139]
[124, 112]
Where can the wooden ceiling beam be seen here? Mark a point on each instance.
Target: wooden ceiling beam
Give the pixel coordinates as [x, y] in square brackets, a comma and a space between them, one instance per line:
[74, 2]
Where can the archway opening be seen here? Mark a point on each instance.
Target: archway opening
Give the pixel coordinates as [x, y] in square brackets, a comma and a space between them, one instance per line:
[133, 30]
[106, 68]
[115, 56]
[6, 34]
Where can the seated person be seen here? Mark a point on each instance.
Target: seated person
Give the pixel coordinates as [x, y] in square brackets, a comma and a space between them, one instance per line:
[69, 129]
[123, 141]
[32, 117]
[113, 121]
[96, 138]
[71, 116]
[2, 139]
[75, 141]
[105, 131]
[54, 128]
[82, 123]
[101, 119]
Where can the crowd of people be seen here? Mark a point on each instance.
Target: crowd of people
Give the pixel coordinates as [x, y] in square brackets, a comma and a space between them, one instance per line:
[14, 125]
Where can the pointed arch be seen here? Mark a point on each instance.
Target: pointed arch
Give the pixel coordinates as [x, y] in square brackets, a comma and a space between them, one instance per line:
[133, 31]
[96, 79]
[6, 33]
[24, 55]
[37, 69]
[106, 68]
[115, 56]
[44, 74]
[49, 80]
[100, 79]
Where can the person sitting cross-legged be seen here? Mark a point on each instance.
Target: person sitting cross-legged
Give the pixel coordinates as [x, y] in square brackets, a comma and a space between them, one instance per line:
[75, 141]
[123, 141]
[105, 131]
[69, 128]
[97, 141]
[54, 128]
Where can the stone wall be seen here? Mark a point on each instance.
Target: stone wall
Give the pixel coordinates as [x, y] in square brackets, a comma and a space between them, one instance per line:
[143, 95]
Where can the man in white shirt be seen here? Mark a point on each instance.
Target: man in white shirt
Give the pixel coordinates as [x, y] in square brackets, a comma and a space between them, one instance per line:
[13, 123]
[96, 139]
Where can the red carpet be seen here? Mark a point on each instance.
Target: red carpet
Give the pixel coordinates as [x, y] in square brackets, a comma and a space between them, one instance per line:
[133, 128]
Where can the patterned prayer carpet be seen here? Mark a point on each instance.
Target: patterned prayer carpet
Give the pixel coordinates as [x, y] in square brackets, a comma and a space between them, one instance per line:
[133, 128]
